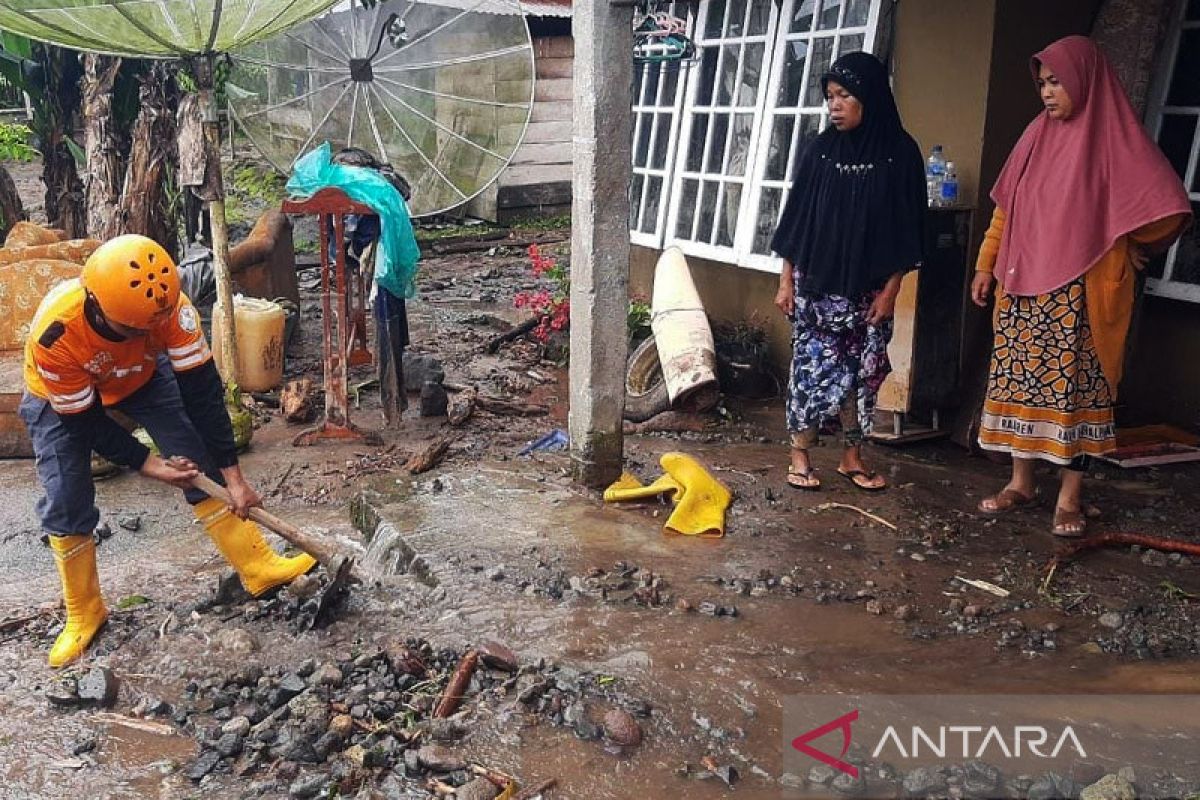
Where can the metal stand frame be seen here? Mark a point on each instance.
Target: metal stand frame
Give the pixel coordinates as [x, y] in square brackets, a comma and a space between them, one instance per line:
[343, 297]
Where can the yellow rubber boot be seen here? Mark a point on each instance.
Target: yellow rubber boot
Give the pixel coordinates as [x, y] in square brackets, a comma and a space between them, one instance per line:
[700, 506]
[241, 542]
[628, 487]
[86, 614]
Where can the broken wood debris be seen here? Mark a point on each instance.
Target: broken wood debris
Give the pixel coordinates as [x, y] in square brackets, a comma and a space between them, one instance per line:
[511, 335]
[511, 408]
[457, 686]
[428, 458]
[294, 401]
[462, 406]
[529, 794]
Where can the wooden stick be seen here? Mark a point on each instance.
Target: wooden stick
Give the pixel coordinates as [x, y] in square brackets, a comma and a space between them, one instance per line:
[864, 512]
[315, 546]
[1123, 539]
[516, 333]
[428, 458]
[457, 686]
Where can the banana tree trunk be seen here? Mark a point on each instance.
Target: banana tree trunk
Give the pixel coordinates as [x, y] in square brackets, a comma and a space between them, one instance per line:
[102, 181]
[64, 191]
[145, 205]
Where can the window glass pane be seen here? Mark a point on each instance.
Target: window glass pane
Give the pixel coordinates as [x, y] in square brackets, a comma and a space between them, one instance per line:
[687, 209]
[635, 200]
[641, 148]
[856, 13]
[729, 68]
[760, 17]
[716, 17]
[850, 44]
[793, 73]
[1175, 138]
[708, 211]
[828, 19]
[779, 147]
[751, 72]
[716, 143]
[1157, 265]
[650, 73]
[670, 78]
[822, 52]
[810, 126]
[1193, 10]
[662, 132]
[653, 199]
[727, 222]
[1185, 83]
[739, 144]
[768, 212]
[737, 18]
[639, 83]
[695, 155]
[708, 75]
[802, 16]
[1187, 256]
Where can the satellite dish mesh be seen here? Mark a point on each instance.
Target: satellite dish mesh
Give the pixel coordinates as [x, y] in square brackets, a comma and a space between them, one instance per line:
[442, 90]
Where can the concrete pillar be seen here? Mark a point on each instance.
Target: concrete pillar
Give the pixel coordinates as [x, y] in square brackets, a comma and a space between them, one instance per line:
[600, 237]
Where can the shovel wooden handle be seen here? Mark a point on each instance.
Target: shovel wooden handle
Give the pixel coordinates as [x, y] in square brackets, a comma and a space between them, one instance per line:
[315, 546]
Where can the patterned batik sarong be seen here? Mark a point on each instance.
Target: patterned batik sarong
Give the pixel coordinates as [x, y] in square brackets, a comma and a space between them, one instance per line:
[835, 355]
[1047, 396]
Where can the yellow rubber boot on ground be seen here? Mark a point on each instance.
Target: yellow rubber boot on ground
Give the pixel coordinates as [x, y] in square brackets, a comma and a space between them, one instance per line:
[700, 506]
[86, 614]
[628, 487]
[241, 542]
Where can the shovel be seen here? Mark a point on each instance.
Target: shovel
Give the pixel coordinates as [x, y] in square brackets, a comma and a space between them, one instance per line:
[340, 567]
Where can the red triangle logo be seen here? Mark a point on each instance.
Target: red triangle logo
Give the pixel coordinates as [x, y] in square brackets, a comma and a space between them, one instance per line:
[842, 723]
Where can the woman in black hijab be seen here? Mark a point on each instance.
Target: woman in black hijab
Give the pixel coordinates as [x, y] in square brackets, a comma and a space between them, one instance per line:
[852, 226]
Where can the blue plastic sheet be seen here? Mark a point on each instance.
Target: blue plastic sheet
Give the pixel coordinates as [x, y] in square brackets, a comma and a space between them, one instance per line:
[398, 253]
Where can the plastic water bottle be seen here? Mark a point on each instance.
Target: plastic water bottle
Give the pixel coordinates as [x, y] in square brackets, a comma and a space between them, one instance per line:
[949, 193]
[935, 170]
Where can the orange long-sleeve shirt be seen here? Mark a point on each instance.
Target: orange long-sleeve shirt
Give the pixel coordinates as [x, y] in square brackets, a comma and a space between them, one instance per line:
[1108, 285]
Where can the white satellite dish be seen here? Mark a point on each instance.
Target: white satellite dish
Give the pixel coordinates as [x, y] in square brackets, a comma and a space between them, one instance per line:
[440, 89]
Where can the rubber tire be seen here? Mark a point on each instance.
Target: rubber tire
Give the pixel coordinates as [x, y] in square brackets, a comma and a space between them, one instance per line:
[645, 389]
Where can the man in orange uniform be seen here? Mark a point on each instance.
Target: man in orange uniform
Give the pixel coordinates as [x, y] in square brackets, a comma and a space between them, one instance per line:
[123, 336]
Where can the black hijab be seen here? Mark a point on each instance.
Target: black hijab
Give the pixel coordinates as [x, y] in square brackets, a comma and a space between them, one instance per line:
[855, 214]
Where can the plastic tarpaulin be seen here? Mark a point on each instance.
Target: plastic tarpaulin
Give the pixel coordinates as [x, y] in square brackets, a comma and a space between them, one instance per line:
[155, 28]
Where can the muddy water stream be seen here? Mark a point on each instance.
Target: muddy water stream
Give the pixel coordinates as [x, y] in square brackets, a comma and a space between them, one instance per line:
[468, 546]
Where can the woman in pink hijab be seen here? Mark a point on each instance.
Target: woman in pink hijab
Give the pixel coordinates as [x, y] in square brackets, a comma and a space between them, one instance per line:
[1084, 196]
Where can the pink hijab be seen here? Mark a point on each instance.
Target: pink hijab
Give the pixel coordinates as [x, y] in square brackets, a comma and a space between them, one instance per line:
[1072, 187]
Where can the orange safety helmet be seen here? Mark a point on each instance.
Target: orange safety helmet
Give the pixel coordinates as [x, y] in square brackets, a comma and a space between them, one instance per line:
[133, 279]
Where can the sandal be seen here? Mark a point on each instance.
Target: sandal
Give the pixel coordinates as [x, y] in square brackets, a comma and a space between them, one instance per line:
[808, 479]
[1069, 524]
[1005, 501]
[854, 476]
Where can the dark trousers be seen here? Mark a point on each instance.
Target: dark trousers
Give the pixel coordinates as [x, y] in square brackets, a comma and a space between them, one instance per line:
[64, 464]
[391, 337]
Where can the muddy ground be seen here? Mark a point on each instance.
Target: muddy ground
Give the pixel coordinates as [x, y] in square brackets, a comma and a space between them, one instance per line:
[697, 640]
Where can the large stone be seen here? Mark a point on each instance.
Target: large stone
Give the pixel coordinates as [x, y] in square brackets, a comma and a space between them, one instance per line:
[434, 400]
[307, 786]
[203, 765]
[621, 728]
[420, 369]
[478, 789]
[497, 656]
[1110, 787]
[439, 759]
[99, 686]
[922, 781]
[236, 640]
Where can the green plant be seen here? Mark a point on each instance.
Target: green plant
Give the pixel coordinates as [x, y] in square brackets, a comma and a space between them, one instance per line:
[554, 223]
[262, 184]
[638, 319]
[14, 142]
[552, 307]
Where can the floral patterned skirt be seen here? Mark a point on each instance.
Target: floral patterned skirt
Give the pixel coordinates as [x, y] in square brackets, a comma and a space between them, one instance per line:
[836, 355]
[1047, 396]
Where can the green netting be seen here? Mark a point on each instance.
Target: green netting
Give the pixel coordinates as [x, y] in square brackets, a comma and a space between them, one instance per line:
[164, 28]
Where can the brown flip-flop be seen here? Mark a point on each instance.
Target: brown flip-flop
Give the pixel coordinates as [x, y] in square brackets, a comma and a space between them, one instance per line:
[1006, 501]
[853, 476]
[810, 475]
[1064, 520]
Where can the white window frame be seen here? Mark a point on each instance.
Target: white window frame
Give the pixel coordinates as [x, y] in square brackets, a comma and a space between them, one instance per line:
[775, 39]
[641, 114]
[1166, 286]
